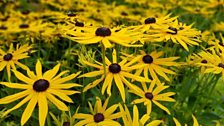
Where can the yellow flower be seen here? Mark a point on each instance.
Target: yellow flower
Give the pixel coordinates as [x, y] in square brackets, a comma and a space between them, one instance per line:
[151, 95]
[105, 35]
[114, 71]
[128, 121]
[39, 89]
[153, 64]
[177, 123]
[177, 32]
[214, 62]
[11, 57]
[100, 115]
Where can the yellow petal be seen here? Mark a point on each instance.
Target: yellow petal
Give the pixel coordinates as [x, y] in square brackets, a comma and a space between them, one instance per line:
[14, 97]
[161, 106]
[16, 85]
[23, 78]
[135, 116]
[106, 43]
[93, 84]
[107, 81]
[51, 73]
[195, 121]
[177, 123]
[65, 79]
[114, 55]
[43, 108]
[39, 69]
[120, 86]
[18, 105]
[29, 109]
[60, 95]
[60, 105]
[2, 65]
[110, 110]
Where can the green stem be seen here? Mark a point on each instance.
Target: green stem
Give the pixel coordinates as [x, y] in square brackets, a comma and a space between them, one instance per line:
[48, 120]
[103, 58]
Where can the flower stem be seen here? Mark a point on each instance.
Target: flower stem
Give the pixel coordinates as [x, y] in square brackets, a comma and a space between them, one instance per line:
[103, 58]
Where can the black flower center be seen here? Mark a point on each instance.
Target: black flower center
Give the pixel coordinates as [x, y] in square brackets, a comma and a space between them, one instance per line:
[7, 57]
[149, 95]
[103, 31]
[66, 124]
[24, 26]
[71, 14]
[3, 27]
[220, 43]
[124, 13]
[173, 29]
[221, 65]
[25, 12]
[181, 28]
[150, 20]
[41, 85]
[204, 61]
[79, 24]
[98, 117]
[147, 59]
[114, 68]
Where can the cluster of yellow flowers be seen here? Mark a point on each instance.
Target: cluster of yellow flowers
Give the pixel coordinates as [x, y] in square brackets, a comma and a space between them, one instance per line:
[114, 27]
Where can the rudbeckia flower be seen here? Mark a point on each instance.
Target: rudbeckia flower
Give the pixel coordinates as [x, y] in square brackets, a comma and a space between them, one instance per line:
[100, 115]
[177, 32]
[153, 64]
[137, 121]
[177, 123]
[153, 95]
[11, 57]
[214, 63]
[156, 22]
[114, 71]
[38, 89]
[104, 35]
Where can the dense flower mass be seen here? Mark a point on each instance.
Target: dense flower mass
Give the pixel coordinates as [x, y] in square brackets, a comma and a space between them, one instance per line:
[166, 54]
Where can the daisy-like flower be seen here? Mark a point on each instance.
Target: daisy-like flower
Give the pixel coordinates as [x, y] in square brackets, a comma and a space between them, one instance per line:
[153, 95]
[214, 63]
[114, 71]
[136, 121]
[177, 123]
[39, 89]
[12, 56]
[100, 115]
[105, 35]
[177, 32]
[153, 64]
[153, 22]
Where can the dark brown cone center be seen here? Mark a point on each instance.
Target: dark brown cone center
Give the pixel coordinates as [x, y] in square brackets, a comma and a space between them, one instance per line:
[147, 59]
[174, 31]
[24, 26]
[98, 117]
[150, 20]
[7, 57]
[103, 31]
[41, 85]
[204, 61]
[149, 95]
[221, 65]
[114, 68]
[79, 24]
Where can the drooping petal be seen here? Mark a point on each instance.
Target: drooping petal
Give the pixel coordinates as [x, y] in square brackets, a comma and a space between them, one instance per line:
[29, 109]
[43, 108]
[60, 105]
